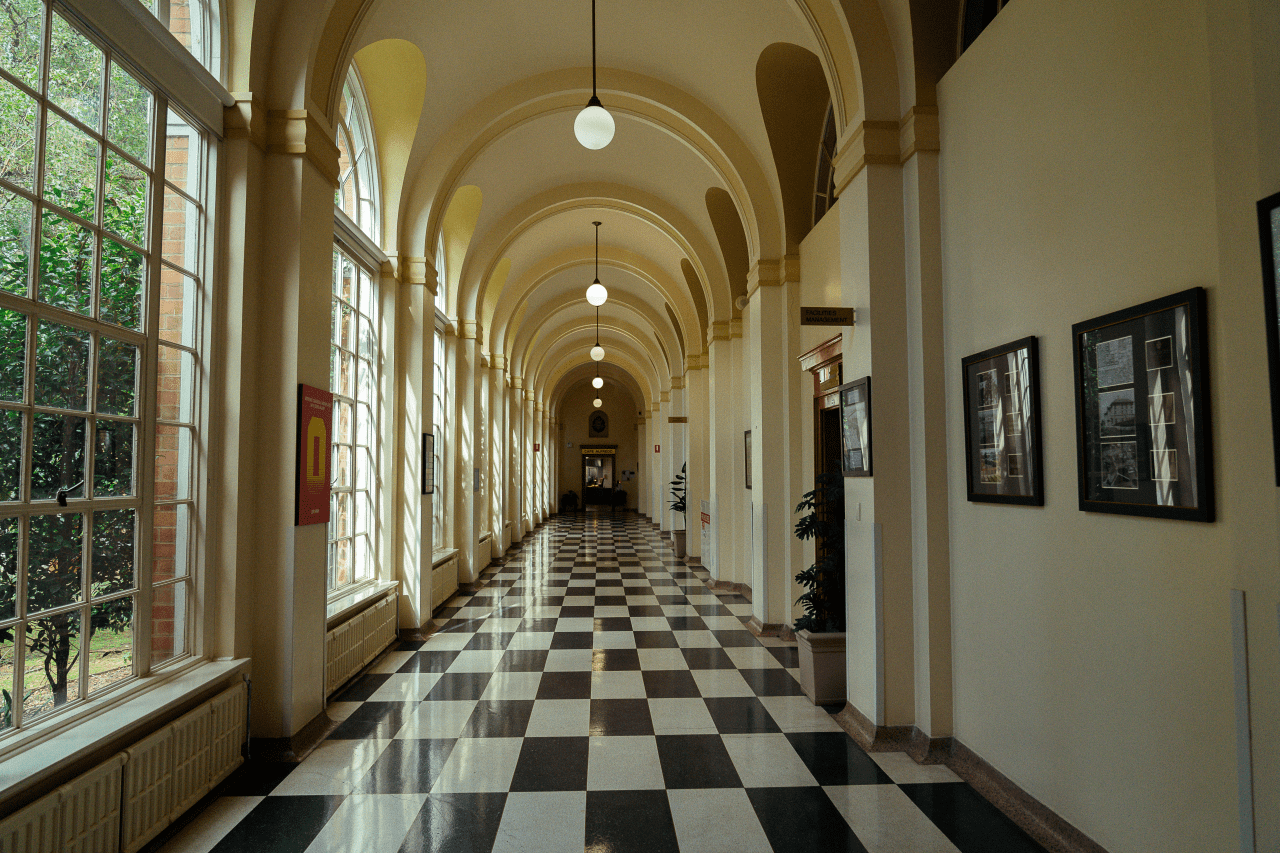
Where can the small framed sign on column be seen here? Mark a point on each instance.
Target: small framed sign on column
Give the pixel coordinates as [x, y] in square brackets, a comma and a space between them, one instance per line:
[428, 463]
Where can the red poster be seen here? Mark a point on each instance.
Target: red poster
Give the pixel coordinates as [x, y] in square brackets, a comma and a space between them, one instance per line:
[315, 437]
[537, 448]
[657, 448]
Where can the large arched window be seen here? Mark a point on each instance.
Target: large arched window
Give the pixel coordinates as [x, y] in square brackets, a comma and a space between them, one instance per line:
[358, 193]
[824, 185]
[197, 24]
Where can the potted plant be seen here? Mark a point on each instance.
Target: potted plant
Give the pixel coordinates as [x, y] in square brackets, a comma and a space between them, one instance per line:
[820, 632]
[677, 505]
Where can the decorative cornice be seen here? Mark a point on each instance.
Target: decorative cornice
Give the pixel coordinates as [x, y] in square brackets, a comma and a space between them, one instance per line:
[873, 143]
[246, 119]
[919, 131]
[301, 132]
[450, 330]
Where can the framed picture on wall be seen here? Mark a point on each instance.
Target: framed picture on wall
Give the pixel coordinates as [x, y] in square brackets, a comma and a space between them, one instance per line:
[746, 445]
[1269, 234]
[855, 427]
[428, 463]
[1142, 410]
[1002, 424]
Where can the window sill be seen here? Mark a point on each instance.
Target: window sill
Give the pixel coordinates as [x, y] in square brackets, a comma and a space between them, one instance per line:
[443, 556]
[109, 725]
[344, 607]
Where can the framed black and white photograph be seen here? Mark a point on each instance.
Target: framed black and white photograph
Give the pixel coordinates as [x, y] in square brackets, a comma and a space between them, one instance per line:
[746, 445]
[855, 427]
[1142, 410]
[1269, 234]
[428, 463]
[1002, 424]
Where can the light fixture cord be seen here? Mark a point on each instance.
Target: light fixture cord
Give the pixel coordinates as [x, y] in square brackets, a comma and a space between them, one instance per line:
[597, 326]
[597, 245]
[593, 48]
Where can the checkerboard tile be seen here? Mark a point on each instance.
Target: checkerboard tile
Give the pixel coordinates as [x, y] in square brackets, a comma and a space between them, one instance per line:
[594, 693]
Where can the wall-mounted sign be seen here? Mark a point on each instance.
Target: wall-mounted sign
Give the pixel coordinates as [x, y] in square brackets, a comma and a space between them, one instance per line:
[679, 420]
[537, 448]
[315, 431]
[599, 451]
[823, 316]
[657, 448]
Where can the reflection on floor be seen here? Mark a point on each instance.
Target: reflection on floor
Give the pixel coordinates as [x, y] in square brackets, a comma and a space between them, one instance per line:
[593, 695]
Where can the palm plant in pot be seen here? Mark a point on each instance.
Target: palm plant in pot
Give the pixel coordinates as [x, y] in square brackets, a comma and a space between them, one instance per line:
[820, 630]
[677, 505]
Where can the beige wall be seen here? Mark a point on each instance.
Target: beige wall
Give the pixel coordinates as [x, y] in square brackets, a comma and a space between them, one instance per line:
[573, 414]
[1093, 653]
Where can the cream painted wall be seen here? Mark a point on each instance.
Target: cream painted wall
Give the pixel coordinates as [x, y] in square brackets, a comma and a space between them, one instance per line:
[1092, 653]
[573, 413]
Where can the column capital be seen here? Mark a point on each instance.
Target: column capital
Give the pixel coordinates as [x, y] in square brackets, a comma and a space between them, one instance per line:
[665, 396]
[735, 328]
[517, 382]
[677, 383]
[304, 133]
[720, 331]
[919, 131]
[498, 361]
[470, 330]
[696, 362]
[538, 408]
[872, 143]
[246, 119]
[528, 395]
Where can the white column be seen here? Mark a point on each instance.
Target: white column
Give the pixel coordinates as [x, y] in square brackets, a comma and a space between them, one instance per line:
[412, 546]
[697, 435]
[498, 453]
[530, 471]
[723, 441]
[464, 526]
[515, 457]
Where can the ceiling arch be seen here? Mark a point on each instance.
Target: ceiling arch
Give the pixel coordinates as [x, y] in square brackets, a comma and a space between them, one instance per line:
[543, 353]
[568, 354]
[566, 379]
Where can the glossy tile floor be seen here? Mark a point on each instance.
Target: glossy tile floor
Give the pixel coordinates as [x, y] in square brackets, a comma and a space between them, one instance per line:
[594, 695]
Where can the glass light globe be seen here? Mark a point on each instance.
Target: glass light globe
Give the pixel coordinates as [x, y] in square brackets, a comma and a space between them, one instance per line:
[594, 125]
[597, 382]
[597, 352]
[597, 294]
[596, 402]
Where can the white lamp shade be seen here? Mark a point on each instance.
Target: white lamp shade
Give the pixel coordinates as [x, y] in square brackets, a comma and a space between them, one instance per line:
[597, 403]
[597, 382]
[593, 127]
[597, 294]
[597, 353]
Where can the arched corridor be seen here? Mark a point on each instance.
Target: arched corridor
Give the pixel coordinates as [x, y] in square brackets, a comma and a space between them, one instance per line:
[303, 363]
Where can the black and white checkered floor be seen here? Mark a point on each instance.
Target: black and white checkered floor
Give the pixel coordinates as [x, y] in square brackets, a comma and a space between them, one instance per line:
[594, 695]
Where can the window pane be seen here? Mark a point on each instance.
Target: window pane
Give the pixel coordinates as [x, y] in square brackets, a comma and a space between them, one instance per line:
[75, 73]
[129, 114]
[363, 560]
[15, 243]
[66, 263]
[124, 206]
[10, 457]
[366, 295]
[62, 366]
[117, 377]
[20, 40]
[180, 140]
[8, 572]
[170, 535]
[57, 450]
[70, 167]
[52, 671]
[113, 459]
[53, 561]
[120, 297]
[110, 643]
[175, 378]
[113, 552]
[342, 465]
[346, 375]
[345, 431]
[6, 680]
[345, 335]
[341, 562]
[13, 354]
[177, 300]
[168, 622]
[18, 112]
[180, 245]
[173, 462]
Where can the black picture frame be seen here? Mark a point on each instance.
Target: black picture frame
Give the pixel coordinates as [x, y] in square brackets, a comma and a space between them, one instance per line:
[1143, 437]
[1002, 443]
[746, 445]
[428, 463]
[1269, 238]
[855, 427]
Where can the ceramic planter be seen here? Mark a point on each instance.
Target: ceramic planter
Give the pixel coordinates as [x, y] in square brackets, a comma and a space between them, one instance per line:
[822, 672]
[677, 537]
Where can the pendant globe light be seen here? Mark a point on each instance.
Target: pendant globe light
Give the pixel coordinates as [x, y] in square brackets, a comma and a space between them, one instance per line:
[597, 402]
[594, 125]
[597, 351]
[597, 382]
[597, 294]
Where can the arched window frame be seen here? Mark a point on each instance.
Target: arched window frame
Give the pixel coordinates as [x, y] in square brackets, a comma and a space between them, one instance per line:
[824, 184]
[359, 193]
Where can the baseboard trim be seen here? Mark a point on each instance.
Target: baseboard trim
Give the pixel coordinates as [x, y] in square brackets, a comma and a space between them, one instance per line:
[293, 749]
[766, 629]
[741, 589]
[1034, 817]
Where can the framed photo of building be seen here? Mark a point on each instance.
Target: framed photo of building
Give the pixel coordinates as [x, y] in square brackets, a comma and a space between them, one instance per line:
[1002, 424]
[746, 445]
[1142, 410]
[1269, 234]
[428, 463]
[855, 427]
